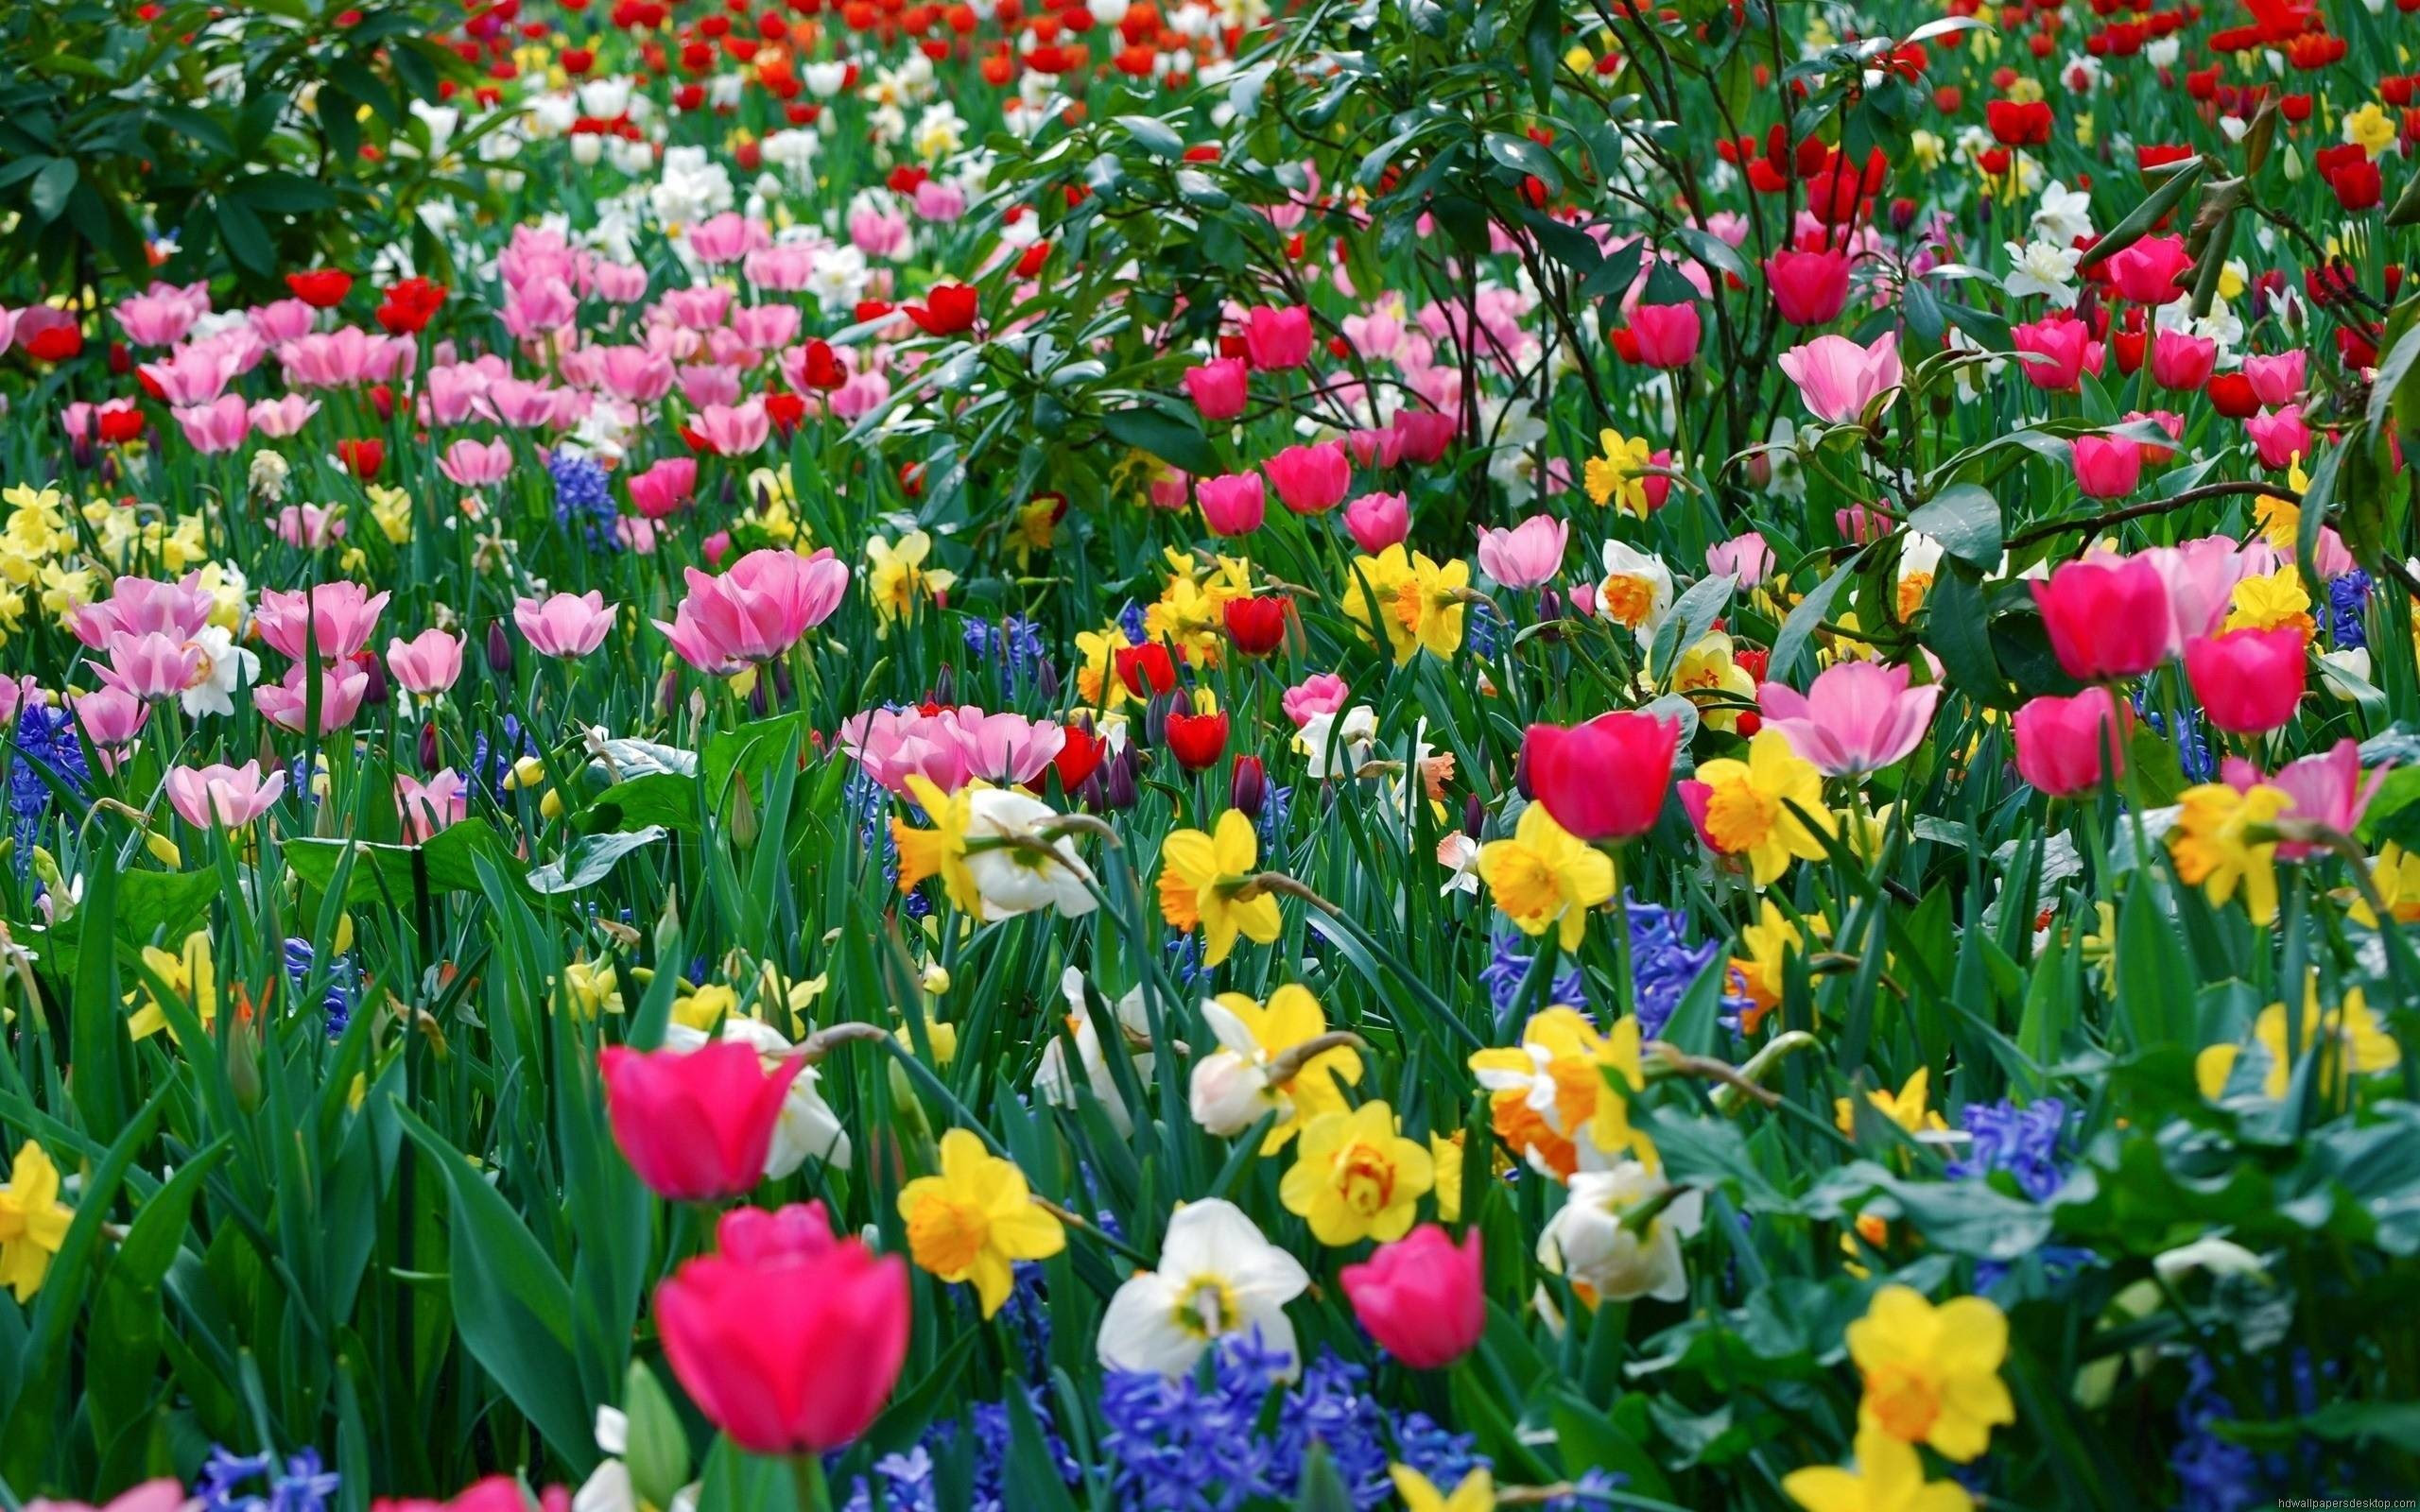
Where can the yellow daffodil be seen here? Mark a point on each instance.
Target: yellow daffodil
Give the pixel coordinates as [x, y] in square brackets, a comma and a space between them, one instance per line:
[1096, 679]
[1932, 1373]
[1036, 522]
[942, 850]
[896, 578]
[1545, 878]
[1355, 1177]
[705, 1006]
[33, 1222]
[1617, 474]
[2350, 1035]
[591, 988]
[1258, 1037]
[2370, 128]
[1409, 600]
[2218, 844]
[1203, 882]
[1475, 1493]
[1904, 1108]
[1767, 945]
[2265, 602]
[1742, 807]
[1446, 1158]
[1707, 677]
[1889, 1478]
[1191, 616]
[2395, 873]
[189, 975]
[971, 1221]
[1551, 1090]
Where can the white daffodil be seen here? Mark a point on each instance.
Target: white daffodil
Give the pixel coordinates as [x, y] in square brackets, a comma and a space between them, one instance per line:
[1218, 1276]
[1637, 590]
[2043, 267]
[608, 1488]
[1052, 1080]
[225, 667]
[1337, 744]
[1021, 879]
[1230, 1088]
[2063, 215]
[1590, 1241]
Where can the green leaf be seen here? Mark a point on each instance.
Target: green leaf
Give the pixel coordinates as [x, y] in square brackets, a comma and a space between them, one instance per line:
[591, 859]
[1804, 616]
[1540, 35]
[1173, 441]
[1965, 518]
[51, 187]
[2139, 221]
[1522, 155]
[385, 874]
[656, 1449]
[1154, 137]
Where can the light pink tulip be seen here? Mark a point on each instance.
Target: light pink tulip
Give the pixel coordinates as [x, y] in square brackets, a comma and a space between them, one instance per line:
[1525, 556]
[756, 611]
[427, 664]
[1857, 717]
[337, 618]
[563, 625]
[1836, 378]
[219, 794]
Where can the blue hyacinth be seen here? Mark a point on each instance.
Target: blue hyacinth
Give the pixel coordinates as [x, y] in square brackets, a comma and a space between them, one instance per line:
[1663, 964]
[2027, 1144]
[255, 1482]
[2348, 602]
[583, 499]
[46, 742]
[1508, 967]
[343, 993]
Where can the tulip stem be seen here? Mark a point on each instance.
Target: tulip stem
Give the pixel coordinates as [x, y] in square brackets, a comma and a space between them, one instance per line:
[814, 1492]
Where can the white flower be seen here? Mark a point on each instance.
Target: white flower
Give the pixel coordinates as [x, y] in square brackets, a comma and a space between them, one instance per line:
[1337, 744]
[2219, 1257]
[793, 152]
[1052, 1081]
[2043, 267]
[1217, 1276]
[608, 1488]
[225, 667]
[824, 79]
[605, 99]
[1637, 590]
[940, 131]
[1589, 1241]
[1019, 879]
[1459, 854]
[1230, 1090]
[692, 187]
[807, 1129]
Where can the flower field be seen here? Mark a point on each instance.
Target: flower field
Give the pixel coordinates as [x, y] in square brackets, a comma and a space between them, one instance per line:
[890, 756]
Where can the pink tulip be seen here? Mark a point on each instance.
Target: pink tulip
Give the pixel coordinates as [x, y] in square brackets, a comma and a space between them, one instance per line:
[1231, 504]
[1857, 717]
[2280, 436]
[2054, 353]
[111, 718]
[893, 745]
[1377, 520]
[1219, 387]
[621, 283]
[427, 664]
[286, 704]
[733, 431]
[2181, 360]
[216, 427]
[1836, 379]
[140, 606]
[719, 239]
[308, 527]
[476, 464]
[706, 383]
[2146, 273]
[2107, 618]
[1428, 434]
[2107, 467]
[2249, 680]
[284, 415]
[752, 1333]
[2201, 577]
[756, 611]
[1528, 553]
[2276, 381]
[2326, 790]
[1809, 288]
[154, 320]
[428, 808]
[230, 796]
[337, 617]
[635, 373]
[162, 1495]
[1745, 557]
[2061, 743]
[696, 1124]
[563, 625]
[1322, 693]
[1310, 479]
[1668, 335]
[1422, 1297]
[1375, 448]
[151, 666]
[1278, 338]
[664, 488]
[1605, 779]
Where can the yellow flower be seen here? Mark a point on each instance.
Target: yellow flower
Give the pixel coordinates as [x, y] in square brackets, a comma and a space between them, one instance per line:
[1291, 1016]
[1742, 806]
[2264, 603]
[1475, 1493]
[942, 850]
[1191, 617]
[2217, 845]
[2372, 128]
[1553, 1088]
[2353, 1040]
[1035, 525]
[2395, 873]
[1446, 1158]
[897, 578]
[975, 1218]
[1768, 943]
[1906, 1108]
[1409, 600]
[1096, 679]
[706, 1007]
[392, 510]
[1618, 474]
[1888, 1478]
[1705, 673]
[1932, 1373]
[1355, 1177]
[1544, 877]
[591, 988]
[33, 1222]
[189, 975]
[1203, 881]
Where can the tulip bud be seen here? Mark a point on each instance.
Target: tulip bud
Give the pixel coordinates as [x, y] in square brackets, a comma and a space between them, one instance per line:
[1155, 719]
[1046, 681]
[1521, 774]
[375, 693]
[499, 649]
[944, 688]
[785, 686]
[1120, 786]
[1247, 786]
[431, 757]
[1474, 815]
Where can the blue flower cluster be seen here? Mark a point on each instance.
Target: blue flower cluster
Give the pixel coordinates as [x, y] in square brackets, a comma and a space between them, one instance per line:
[2195, 756]
[1015, 647]
[341, 995]
[1509, 966]
[934, 1475]
[46, 742]
[2027, 1143]
[1663, 964]
[2348, 601]
[2215, 1475]
[584, 498]
[255, 1482]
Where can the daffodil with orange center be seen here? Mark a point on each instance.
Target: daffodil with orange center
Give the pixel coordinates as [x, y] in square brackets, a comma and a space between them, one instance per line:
[1356, 1178]
[1204, 883]
[1742, 809]
[2224, 842]
[1932, 1373]
[975, 1218]
[1545, 878]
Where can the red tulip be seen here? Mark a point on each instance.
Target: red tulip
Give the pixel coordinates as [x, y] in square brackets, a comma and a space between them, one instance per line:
[1198, 739]
[790, 1339]
[364, 458]
[2249, 682]
[2018, 125]
[322, 288]
[2107, 619]
[1422, 1297]
[1257, 626]
[696, 1124]
[1604, 780]
[1145, 669]
[948, 309]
